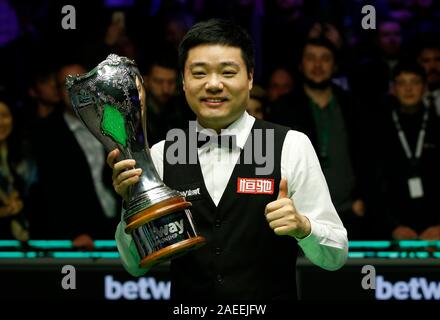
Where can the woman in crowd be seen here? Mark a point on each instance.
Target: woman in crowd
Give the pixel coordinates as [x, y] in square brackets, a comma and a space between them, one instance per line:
[13, 224]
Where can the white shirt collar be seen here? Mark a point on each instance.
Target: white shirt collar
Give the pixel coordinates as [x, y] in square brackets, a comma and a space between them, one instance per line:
[241, 128]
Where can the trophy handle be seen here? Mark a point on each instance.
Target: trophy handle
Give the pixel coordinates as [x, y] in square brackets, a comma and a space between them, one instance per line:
[143, 101]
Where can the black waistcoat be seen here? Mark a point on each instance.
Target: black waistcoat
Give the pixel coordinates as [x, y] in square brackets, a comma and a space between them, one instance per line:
[243, 257]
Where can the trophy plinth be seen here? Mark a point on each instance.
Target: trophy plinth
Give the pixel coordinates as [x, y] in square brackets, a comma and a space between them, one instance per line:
[110, 101]
[166, 230]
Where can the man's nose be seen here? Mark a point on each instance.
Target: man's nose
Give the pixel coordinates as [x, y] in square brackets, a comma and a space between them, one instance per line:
[318, 62]
[214, 83]
[167, 88]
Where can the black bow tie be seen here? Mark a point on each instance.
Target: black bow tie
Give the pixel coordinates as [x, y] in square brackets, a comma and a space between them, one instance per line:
[227, 141]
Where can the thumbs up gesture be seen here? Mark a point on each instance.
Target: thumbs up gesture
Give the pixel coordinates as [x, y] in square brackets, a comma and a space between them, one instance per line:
[283, 217]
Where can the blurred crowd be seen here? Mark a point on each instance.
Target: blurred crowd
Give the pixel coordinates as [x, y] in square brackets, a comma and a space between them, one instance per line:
[369, 100]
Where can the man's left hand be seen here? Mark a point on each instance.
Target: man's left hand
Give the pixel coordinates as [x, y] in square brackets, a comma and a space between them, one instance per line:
[283, 217]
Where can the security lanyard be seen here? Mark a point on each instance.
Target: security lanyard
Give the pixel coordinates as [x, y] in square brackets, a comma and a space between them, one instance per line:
[404, 141]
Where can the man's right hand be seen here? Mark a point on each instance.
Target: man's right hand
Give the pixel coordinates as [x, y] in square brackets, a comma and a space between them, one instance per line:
[124, 173]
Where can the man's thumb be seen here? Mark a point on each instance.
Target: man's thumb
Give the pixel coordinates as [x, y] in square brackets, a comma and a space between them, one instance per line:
[283, 189]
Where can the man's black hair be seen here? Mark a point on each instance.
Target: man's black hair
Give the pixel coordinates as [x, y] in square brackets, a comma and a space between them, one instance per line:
[321, 42]
[38, 74]
[409, 67]
[221, 32]
[428, 42]
[166, 60]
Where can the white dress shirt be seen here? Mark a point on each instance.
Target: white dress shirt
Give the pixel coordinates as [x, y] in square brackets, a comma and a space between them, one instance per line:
[326, 245]
[95, 156]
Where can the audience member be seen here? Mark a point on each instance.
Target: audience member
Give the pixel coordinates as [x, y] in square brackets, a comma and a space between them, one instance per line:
[165, 108]
[80, 204]
[13, 222]
[411, 152]
[429, 59]
[257, 102]
[327, 115]
[280, 82]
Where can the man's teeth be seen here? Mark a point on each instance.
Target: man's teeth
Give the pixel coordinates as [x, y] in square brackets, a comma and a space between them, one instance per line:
[214, 100]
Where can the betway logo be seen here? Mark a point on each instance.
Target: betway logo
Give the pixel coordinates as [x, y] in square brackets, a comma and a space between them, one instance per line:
[188, 193]
[170, 228]
[144, 289]
[414, 289]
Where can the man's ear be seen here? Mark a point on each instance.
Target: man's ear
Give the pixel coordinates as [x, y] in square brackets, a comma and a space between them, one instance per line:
[183, 81]
[251, 79]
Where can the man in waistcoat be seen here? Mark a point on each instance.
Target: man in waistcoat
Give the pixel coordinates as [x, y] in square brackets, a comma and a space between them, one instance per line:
[253, 230]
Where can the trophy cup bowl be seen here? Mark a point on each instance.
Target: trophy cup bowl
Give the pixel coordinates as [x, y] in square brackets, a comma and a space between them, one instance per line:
[110, 101]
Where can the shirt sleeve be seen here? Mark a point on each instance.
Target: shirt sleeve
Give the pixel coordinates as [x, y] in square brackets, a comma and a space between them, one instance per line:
[327, 244]
[124, 242]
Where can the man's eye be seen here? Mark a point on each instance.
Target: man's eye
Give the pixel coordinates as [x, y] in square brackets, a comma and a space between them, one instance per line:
[229, 73]
[198, 74]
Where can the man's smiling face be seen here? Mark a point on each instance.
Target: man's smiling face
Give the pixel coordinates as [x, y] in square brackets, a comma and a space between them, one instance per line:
[216, 84]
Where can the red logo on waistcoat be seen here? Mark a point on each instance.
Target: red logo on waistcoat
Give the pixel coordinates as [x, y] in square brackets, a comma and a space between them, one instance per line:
[255, 185]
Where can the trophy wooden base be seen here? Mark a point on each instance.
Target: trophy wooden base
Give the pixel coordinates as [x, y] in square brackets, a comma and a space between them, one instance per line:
[155, 212]
[171, 252]
[164, 231]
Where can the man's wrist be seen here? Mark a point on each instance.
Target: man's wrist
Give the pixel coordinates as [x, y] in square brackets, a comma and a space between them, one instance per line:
[304, 230]
[307, 227]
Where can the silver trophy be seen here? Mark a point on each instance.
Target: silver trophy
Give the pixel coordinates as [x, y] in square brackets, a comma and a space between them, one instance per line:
[110, 101]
